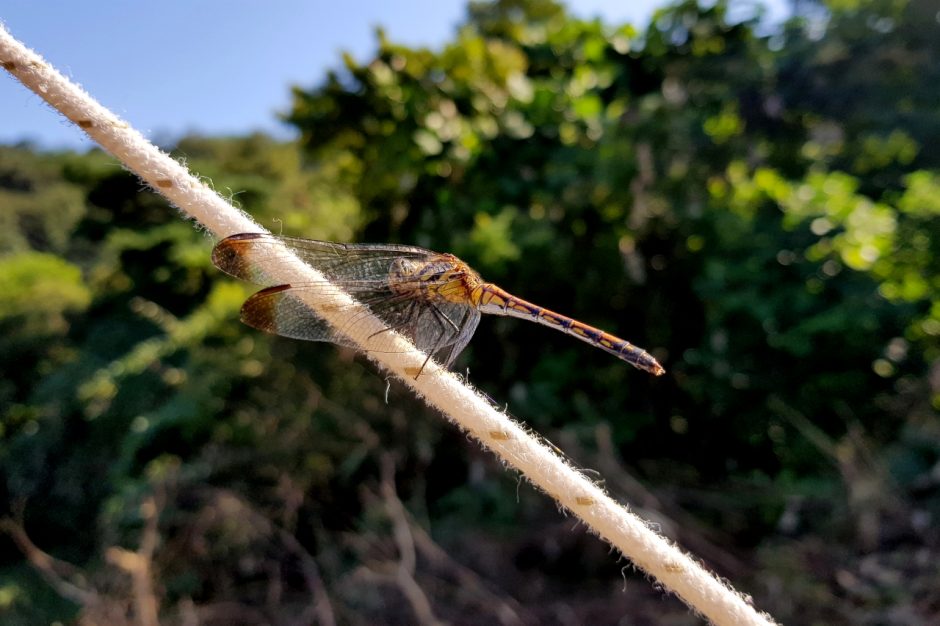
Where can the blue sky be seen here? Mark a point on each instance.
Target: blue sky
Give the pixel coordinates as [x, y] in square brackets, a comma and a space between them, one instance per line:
[218, 66]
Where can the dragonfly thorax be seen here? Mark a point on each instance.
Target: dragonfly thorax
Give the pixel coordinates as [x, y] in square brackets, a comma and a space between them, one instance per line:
[441, 276]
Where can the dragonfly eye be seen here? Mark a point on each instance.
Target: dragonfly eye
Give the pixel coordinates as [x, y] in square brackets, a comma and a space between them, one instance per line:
[403, 269]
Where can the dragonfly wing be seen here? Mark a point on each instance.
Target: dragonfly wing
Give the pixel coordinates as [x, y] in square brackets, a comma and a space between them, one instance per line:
[448, 354]
[283, 310]
[278, 310]
[243, 256]
[436, 326]
[444, 328]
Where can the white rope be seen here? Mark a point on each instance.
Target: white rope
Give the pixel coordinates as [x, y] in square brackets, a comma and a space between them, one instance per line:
[702, 591]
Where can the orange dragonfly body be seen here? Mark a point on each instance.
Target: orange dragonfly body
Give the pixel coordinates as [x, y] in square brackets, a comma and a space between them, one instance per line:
[434, 299]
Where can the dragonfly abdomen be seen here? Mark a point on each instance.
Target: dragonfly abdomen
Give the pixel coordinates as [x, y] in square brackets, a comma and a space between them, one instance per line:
[494, 300]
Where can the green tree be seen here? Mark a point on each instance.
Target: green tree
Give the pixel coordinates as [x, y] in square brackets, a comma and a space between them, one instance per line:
[757, 208]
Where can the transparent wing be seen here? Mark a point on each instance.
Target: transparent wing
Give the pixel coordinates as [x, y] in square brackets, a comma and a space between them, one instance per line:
[282, 310]
[445, 329]
[242, 256]
[438, 328]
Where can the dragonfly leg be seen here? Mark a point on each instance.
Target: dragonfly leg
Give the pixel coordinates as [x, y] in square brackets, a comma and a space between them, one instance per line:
[441, 318]
[423, 365]
[406, 322]
[465, 330]
[396, 328]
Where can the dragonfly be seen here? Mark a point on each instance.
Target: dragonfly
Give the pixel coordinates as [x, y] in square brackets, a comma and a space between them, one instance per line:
[434, 299]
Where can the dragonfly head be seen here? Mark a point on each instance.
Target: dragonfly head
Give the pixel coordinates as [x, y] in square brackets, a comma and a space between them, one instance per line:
[403, 270]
